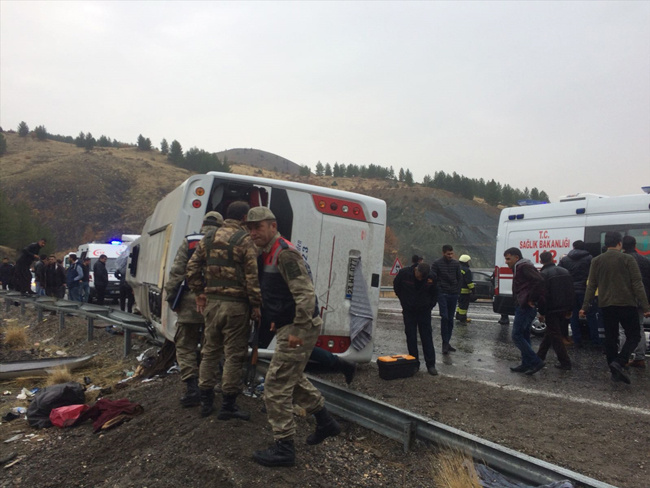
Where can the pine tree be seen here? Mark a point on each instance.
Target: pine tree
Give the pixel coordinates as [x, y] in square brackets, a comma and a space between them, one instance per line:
[164, 147]
[328, 170]
[320, 170]
[176, 153]
[408, 177]
[144, 144]
[23, 129]
[401, 175]
[80, 141]
[90, 142]
[104, 141]
[41, 132]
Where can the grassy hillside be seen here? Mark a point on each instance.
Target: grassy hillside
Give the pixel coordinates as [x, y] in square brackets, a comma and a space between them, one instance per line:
[96, 195]
[85, 196]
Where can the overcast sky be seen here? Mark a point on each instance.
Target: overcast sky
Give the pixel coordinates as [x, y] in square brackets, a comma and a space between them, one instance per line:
[554, 95]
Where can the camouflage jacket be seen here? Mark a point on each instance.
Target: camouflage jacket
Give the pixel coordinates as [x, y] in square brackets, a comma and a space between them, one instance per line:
[187, 311]
[229, 272]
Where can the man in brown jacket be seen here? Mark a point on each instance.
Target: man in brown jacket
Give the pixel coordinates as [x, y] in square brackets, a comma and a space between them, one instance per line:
[223, 274]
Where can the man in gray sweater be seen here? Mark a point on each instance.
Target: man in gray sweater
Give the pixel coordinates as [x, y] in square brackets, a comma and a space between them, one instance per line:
[620, 291]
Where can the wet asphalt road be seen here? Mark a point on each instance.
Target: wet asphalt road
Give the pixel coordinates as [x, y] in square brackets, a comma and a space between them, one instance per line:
[485, 352]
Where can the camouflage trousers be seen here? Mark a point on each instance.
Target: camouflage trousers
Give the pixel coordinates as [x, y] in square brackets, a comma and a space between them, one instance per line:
[226, 334]
[286, 383]
[187, 339]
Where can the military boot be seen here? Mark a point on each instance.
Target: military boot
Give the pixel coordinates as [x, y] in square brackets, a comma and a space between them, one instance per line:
[282, 453]
[207, 401]
[347, 368]
[326, 426]
[230, 410]
[192, 396]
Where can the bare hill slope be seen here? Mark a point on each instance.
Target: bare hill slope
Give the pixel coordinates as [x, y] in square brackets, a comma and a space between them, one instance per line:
[96, 195]
[259, 159]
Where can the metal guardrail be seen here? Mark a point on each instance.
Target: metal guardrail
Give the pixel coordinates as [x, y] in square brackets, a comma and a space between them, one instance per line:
[131, 324]
[383, 418]
[407, 427]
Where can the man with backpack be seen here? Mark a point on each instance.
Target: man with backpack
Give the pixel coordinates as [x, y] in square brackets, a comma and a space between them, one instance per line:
[74, 278]
[223, 274]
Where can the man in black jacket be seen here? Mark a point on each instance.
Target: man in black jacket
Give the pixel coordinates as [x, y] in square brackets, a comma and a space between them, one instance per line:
[101, 278]
[447, 276]
[559, 302]
[22, 274]
[577, 263]
[417, 294]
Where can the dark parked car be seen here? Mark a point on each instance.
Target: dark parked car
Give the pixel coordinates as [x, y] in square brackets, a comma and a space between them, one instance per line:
[483, 286]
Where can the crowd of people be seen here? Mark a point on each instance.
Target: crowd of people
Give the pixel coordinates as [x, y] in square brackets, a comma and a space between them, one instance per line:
[241, 270]
[610, 291]
[52, 279]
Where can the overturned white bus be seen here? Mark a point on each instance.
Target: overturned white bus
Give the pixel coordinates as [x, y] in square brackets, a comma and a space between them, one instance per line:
[340, 235]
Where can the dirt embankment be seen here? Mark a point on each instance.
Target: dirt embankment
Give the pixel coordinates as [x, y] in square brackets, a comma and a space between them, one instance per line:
[169, 446]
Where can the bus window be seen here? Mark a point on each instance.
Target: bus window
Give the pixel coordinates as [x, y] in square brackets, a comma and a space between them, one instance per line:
[135, 252]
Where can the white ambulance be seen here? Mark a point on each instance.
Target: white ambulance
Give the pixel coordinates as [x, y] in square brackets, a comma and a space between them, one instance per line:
[112, 250]
[340, 235]
[555, 226]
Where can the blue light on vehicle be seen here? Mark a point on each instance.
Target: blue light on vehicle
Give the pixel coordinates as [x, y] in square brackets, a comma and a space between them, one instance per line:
[115, 242]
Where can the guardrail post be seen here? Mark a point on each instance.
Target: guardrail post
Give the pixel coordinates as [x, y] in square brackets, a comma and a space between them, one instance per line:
[409, 436]
[7, 305]
[39, 311]
[91, 327]
[61, 320]
[22, 308]
[127, 342]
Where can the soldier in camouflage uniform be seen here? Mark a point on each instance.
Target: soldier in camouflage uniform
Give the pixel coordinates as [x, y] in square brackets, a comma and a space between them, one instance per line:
[189, 324]
[289, 304]
[223, 274]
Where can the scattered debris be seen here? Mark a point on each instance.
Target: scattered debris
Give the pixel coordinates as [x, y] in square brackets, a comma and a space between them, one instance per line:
[16, 461]
[14, 438]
